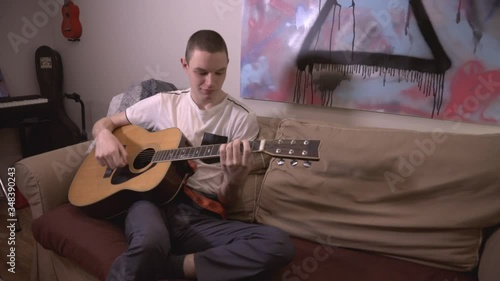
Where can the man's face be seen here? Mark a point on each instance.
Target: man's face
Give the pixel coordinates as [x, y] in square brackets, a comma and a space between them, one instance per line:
[206, 72]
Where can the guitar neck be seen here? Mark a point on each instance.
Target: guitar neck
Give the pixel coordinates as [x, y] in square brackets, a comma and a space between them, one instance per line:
[200, 152]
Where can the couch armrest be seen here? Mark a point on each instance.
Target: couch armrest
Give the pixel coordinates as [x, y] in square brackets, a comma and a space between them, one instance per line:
[44, 179]
[488, 265]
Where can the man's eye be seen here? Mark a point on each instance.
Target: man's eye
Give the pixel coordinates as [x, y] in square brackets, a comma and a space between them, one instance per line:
[219, 73]
[202, 73]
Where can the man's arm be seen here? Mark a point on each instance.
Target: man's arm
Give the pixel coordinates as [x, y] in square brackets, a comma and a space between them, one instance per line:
[109, 151]
[236, 165]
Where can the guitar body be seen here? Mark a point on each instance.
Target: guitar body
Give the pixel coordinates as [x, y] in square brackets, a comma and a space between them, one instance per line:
[71, 27]
[104, 193]
[157, 167]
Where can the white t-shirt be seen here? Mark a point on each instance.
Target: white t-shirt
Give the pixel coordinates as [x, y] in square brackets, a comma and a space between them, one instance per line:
[177, 109]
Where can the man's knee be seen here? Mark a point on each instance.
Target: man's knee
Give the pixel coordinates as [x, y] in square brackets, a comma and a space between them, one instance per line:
[142, 207]
[146, 230]
[150, 243]
[280, 248]
[143, 215]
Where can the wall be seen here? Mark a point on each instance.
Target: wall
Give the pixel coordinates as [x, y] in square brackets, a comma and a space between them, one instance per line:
[126, 41]
[24, 26]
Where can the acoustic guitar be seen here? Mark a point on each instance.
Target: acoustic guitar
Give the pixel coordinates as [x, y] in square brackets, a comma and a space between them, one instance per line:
[71, 27]
[157, 168]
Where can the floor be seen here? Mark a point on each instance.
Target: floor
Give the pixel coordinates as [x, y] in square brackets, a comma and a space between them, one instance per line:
[23, 244]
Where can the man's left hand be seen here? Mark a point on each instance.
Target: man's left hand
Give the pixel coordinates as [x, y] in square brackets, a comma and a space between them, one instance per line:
[236, 164]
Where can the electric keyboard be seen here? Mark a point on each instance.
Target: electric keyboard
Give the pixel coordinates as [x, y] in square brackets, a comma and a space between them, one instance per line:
[14, 110]
[21, 101]
[41, 120]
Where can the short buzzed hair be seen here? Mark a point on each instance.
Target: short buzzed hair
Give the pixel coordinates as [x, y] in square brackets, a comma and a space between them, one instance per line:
[205, 40]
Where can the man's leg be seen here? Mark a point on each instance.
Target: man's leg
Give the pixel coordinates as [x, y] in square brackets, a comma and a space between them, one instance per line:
[246, 251]
[149, 245]
[227, 250]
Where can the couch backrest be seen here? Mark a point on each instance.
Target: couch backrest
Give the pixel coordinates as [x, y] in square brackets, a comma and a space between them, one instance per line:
[420, 196]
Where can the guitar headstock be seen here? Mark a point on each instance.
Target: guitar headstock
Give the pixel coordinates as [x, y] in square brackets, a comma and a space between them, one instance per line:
[293, 149]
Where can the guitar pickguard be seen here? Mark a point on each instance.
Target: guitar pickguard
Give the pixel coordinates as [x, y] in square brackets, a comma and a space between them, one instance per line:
[124, 174]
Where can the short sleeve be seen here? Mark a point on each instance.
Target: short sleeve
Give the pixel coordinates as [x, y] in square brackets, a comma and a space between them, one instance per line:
[145, 112]
[247, 128]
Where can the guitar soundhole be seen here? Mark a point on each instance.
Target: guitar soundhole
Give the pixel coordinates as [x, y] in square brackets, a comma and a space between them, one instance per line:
[144, 158]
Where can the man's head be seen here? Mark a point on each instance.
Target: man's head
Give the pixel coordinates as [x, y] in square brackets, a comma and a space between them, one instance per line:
[205, 40]
[205, 63]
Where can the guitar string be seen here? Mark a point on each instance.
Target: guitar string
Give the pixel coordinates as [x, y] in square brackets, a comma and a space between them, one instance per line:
[192, 150]
[148, 155]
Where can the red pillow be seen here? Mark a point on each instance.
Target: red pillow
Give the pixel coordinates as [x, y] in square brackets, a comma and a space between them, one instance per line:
[91, 243]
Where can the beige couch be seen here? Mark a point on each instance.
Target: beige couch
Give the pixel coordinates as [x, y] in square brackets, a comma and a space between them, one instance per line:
[381, 204]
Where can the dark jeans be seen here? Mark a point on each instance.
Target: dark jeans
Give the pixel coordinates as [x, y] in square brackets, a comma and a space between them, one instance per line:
[224, 250]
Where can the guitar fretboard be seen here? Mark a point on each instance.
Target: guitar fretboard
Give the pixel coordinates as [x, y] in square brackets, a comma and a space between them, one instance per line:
[200, 152]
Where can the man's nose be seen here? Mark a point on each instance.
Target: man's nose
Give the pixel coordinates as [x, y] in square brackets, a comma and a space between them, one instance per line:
[210, 79]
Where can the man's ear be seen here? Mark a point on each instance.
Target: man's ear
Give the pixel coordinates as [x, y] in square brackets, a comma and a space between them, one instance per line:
[184, 63]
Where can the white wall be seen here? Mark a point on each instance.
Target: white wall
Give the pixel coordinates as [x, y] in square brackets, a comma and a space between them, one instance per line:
[24, 26]
[126, 41]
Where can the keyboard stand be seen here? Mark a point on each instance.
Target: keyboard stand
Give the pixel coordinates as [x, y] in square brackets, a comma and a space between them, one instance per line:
[33, 136]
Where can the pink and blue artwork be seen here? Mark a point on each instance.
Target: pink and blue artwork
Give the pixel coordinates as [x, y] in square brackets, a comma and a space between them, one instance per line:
[426, 58]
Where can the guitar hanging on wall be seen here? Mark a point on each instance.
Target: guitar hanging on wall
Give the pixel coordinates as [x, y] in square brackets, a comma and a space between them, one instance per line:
[71, 27]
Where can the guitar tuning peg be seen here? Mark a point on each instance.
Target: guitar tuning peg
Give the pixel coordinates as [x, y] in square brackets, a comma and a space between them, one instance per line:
[281, 162]
[294, 163]
[307, 164]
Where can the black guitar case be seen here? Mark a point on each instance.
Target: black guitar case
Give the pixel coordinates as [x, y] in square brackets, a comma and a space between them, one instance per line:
[49, 73]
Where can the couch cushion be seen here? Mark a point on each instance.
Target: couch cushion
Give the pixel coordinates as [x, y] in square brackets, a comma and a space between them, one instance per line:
[91, 243]
[319, 262]
[419, 196]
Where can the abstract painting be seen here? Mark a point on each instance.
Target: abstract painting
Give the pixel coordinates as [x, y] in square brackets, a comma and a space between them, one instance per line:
[426, 58]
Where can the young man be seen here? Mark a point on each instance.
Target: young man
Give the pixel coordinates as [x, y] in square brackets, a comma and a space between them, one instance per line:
[181, 239]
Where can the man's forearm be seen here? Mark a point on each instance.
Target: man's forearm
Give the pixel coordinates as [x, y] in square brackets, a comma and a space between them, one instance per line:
[109, 123]
[102, 124]
[229, 192]
[228, 195]
[236, 166]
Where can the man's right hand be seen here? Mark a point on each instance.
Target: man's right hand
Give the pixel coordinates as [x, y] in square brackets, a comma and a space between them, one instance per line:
[109, 151]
